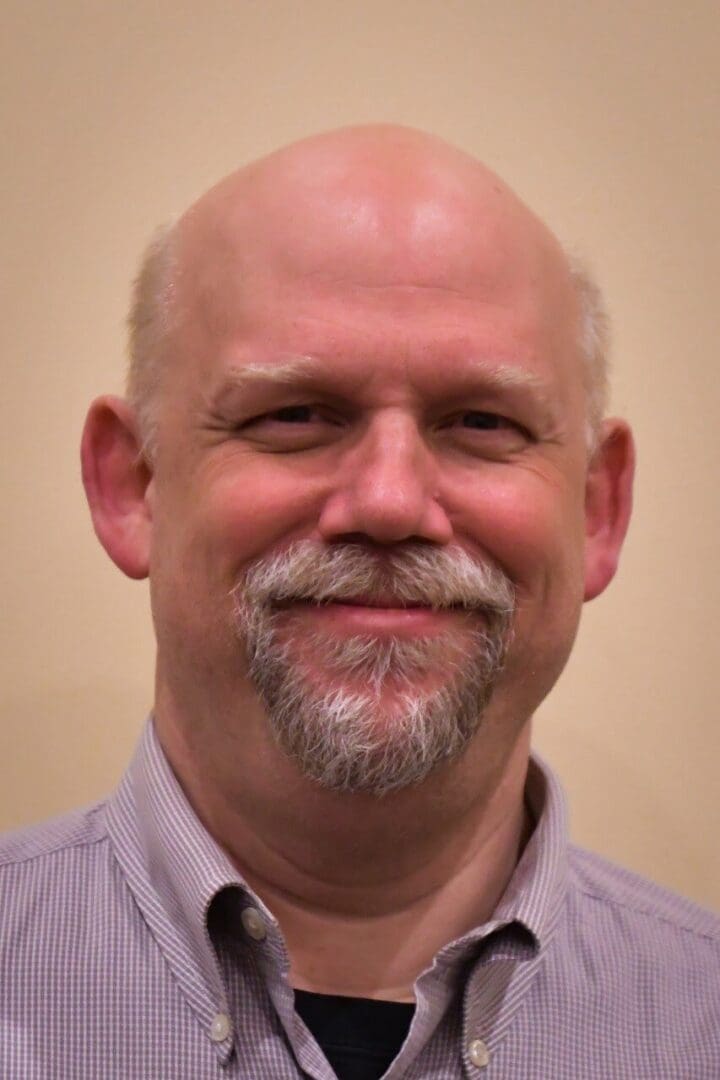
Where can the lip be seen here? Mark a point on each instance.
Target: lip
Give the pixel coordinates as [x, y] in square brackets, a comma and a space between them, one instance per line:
[389, 603]
[379, 617]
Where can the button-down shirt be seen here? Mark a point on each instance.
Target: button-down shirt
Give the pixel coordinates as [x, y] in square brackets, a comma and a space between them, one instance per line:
[131, 949]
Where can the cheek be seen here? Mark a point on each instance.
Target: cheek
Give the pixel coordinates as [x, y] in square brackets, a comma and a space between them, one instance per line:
[204, 535]
[532, 527]
[535, 531]
[244, 515]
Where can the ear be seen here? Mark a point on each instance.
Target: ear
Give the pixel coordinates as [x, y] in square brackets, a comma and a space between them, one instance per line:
[117, 481]
[608, 503]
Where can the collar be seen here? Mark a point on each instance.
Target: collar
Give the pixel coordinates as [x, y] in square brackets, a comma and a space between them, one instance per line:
[536, 891]
[175, 869]
[509, 950]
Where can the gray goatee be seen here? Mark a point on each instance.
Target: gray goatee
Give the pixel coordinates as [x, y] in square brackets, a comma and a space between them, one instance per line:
[365, 723]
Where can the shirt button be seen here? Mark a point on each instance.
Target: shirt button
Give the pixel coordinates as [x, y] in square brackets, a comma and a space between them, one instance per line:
[478, 1053]
[253, 923]
[220, 1027]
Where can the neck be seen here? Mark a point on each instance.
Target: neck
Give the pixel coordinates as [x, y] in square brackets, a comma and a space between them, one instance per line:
[374, 940]
[366, 890]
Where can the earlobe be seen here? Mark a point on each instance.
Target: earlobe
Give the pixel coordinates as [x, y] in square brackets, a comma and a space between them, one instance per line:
[608, 504]
[116, 479]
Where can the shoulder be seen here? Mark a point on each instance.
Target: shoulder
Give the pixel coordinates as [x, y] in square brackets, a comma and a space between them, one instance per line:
[626, 898]
[60, 884]
[635, 961]
[645, 942]
[75, 832]
[53, 866]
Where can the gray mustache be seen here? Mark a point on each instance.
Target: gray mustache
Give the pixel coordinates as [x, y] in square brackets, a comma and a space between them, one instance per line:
[409, 574]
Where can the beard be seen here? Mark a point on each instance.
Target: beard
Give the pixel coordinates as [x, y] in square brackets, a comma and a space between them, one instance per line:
[365, 713]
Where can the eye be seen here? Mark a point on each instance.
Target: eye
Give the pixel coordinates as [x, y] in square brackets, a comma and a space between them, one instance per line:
[294, 414]
[292, 428]
[484, 421]
[486, 433]
[289, 416]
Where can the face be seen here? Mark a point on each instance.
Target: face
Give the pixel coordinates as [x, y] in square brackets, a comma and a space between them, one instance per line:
[376, 399]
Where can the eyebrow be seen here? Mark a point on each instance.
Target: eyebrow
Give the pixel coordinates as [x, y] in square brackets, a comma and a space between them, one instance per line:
[284, 371]
[493, 375]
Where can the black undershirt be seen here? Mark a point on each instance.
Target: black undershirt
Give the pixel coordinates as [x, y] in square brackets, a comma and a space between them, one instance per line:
[359, 1036]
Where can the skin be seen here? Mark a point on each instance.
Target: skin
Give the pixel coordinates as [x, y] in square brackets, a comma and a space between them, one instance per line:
[443, 404]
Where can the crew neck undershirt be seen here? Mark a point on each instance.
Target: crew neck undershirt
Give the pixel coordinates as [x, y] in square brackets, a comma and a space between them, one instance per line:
[360, 1037]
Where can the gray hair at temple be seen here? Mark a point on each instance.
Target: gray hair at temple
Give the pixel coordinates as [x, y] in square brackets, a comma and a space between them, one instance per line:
[151, 318]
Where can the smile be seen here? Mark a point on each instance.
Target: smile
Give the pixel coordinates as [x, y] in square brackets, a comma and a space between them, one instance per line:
[378, 616]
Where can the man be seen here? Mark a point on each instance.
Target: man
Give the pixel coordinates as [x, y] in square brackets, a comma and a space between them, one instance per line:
[364, 464]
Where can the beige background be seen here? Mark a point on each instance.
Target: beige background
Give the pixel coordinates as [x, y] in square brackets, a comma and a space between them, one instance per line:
[603, 116]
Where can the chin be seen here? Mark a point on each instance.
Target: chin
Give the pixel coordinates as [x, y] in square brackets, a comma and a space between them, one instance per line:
[388, 691]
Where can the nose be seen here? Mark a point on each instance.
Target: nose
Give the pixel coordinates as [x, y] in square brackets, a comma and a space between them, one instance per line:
[386, 488]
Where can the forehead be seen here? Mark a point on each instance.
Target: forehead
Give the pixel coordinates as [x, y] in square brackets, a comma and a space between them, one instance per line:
[376, 266]
[379, 228]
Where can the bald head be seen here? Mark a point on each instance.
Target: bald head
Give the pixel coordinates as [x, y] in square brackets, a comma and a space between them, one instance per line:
[401, 198]
[373, 208]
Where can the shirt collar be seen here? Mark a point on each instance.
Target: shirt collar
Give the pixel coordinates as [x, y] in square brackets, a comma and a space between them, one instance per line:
[536, 891]
[175, 870]
[527, 913]
[508, 951]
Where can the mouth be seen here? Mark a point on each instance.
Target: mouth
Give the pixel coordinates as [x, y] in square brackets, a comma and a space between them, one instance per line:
[385, 603]
[378, 616]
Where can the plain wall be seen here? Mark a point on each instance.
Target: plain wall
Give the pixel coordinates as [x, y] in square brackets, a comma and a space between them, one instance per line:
[603, 116]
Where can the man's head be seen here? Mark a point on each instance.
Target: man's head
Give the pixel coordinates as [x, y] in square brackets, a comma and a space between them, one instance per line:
[364, 374]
